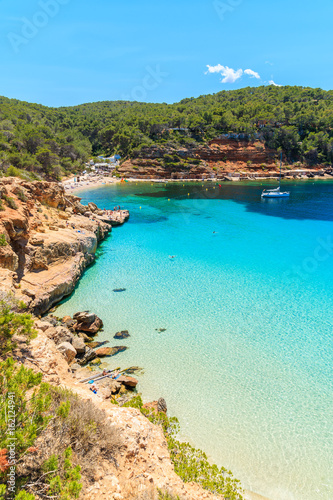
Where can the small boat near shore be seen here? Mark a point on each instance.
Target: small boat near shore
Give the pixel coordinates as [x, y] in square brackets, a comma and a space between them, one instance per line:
[276, 193]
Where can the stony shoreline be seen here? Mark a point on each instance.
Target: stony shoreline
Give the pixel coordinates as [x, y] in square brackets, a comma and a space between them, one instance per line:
[84, 186]
[50, 239]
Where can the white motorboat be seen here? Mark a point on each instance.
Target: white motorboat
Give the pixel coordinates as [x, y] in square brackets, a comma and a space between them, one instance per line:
[276, 193]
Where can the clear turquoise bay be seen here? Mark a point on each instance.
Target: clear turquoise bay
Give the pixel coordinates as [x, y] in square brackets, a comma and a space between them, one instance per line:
[246, 359]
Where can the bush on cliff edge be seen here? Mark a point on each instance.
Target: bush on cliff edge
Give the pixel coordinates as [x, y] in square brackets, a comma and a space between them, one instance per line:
[191, 464]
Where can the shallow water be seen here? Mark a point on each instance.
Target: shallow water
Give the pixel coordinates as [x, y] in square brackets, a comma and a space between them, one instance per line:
[246, 358]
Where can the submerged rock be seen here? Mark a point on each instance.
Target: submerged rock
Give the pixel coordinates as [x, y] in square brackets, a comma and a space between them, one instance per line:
[94, 345]
[95, 362]
[117, 349]
[122, 335]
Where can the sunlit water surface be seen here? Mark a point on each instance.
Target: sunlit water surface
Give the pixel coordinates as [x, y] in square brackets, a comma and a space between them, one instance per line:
[246, 359]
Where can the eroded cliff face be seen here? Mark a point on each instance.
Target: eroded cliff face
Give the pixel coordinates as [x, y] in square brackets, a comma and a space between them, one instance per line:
[46, 243]
[220, 158]
[217, 158]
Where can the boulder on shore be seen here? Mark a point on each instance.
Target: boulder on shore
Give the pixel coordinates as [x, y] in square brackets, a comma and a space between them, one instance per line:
[89, 355]
[161, 405]
[59, 334]
[110, 351]
[157, 406]
[68, 351]
[128, 381]
[79, 345]
[87, 322]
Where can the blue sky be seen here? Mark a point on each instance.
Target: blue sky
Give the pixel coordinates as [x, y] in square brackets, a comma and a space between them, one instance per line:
[67, 52]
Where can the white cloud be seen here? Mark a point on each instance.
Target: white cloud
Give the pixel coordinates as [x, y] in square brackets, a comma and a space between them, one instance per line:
[252, 74]
[231, 75]
[271, 82]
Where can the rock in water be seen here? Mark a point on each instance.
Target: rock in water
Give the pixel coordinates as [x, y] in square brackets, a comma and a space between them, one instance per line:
[128, 381]
[94, 345]
[161, 405]
[122, 335]
[104, 351]
[89, 355]
[95, 362]
[79, 345]
[87, 322]
[110, 351]
[117, 349]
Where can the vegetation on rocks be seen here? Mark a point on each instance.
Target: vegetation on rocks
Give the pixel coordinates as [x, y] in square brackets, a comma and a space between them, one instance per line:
[50, 142]
[13, 321]
[56, 434]
[9, 201]
[191, 464]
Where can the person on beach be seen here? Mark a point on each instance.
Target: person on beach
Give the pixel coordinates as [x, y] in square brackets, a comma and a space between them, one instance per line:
[93, 388]
[116, 374]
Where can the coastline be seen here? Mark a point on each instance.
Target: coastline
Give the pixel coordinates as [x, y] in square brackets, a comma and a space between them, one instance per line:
[85, 186]
[250, 495]
[62, 253]
[110, 192]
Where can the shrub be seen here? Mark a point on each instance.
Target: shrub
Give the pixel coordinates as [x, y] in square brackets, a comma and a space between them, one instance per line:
[166, 496]
[13, 322]
[57, 435]
[10, 201]
[21, 195]
[191, 464]
[2, 208]
[3, 241]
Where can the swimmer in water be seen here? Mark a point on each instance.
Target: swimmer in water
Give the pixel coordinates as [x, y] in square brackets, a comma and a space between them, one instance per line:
[172, 256]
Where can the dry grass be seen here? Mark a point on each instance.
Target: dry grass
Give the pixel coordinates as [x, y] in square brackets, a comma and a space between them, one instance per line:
[85, 429]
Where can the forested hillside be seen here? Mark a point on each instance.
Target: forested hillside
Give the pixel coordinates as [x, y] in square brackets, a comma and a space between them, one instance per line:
[55, 141]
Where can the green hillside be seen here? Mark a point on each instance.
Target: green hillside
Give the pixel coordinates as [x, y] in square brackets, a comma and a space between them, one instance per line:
[56, 141]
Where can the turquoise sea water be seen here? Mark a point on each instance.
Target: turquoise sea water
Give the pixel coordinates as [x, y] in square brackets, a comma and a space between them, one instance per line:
[246, 359]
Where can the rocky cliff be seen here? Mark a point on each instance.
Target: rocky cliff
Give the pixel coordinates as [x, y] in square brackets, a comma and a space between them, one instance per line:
[142, 465]
[47, 239]
[218, 158]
